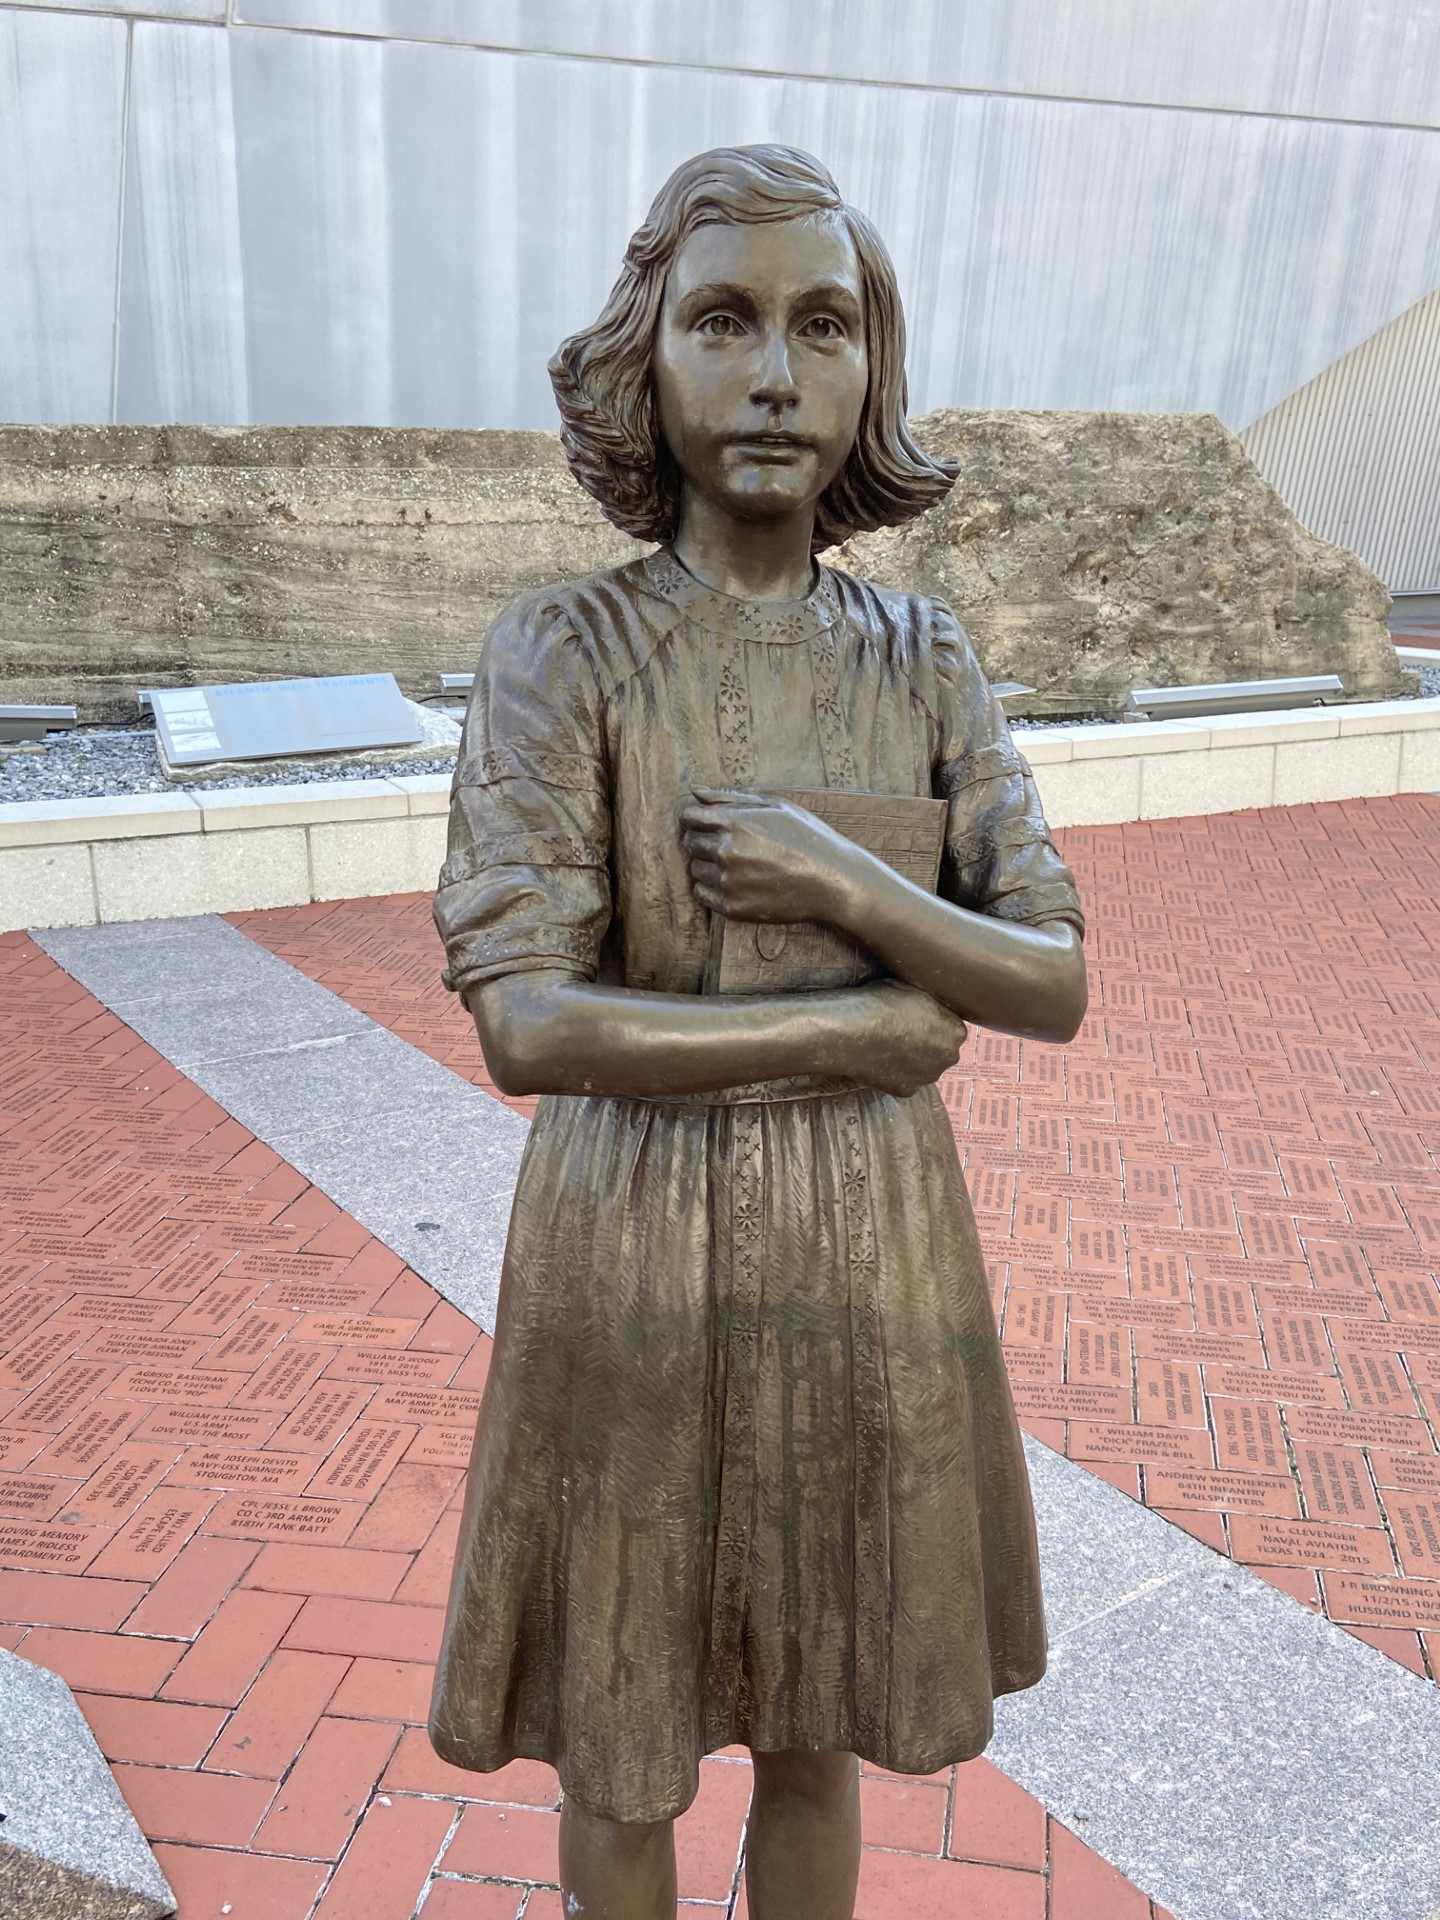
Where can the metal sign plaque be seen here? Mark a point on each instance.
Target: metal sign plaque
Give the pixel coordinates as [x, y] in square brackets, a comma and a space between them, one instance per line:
[263, 719]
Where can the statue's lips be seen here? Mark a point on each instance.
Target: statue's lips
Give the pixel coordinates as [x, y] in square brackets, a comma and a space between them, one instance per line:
[771, 446]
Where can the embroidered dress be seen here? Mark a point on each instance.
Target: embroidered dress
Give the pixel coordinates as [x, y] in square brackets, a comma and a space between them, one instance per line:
[747, 1468]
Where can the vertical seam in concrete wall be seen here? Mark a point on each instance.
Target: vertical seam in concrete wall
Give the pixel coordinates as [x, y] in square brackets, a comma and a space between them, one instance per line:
[120, 223]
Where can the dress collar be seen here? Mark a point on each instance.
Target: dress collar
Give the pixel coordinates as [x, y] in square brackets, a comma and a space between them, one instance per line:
[776, 622]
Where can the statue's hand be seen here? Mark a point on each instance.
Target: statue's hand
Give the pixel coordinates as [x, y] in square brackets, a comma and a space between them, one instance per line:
[905, 1040]
[758, 858]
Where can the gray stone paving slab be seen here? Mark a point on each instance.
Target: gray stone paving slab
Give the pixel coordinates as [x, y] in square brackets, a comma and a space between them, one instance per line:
[352, 1079]
[143, 961]
[1234, 1755]
[69, 1846]
[245, 1019]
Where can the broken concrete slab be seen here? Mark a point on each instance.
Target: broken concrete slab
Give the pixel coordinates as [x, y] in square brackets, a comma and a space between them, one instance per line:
[69, 1846]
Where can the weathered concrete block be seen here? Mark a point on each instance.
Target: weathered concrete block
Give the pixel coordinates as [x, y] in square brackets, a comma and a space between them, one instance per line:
[1086, 552]
[141, 556]
[69, 1845]
[1089, 553]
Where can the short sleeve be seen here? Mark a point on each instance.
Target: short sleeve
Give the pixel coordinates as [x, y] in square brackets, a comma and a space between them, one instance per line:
[525, 882]
[999, 856]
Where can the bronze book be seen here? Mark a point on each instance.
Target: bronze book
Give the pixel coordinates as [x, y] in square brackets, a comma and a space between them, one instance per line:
[752, 956]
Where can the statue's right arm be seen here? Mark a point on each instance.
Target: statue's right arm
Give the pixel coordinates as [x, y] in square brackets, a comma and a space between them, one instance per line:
[546, 1031]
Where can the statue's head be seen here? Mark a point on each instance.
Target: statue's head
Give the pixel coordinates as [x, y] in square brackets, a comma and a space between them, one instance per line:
[753, 348]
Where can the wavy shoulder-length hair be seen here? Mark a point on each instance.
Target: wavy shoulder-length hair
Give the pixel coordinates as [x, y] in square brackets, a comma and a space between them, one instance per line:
[604, 381]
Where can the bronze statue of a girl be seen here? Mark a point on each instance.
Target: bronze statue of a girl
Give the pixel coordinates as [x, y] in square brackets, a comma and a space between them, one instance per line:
[747, 1470]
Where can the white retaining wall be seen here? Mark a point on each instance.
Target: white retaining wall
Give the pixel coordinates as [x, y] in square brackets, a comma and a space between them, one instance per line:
[78, 862]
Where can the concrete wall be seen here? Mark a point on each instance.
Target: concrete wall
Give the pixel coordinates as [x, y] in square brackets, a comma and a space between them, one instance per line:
[1086, 553]
[389, 211]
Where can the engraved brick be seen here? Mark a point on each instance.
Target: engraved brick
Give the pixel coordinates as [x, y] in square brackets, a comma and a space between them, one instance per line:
[1055, 1401]
[267, 1267]
[245, 1516]
[1089, 1440]
[1261, 1541]
[1410, 1472]
[250, 1340]
[141, 1344]
[1226, 1492]
[213, 1426]
[361, 1463]
[30, 1496]
[441, 1446]
[1170, 1392]
[1300, 1389]
[1165, 1343]
[284, 1378]
[174, 1383]
[1360, 1429]
[407, 1402]
[38, 1355]
[236, 1467]
[1416, 1526]
[117, 1489]
[106, 1310]
[1336, 1483]
[21, 1311]
[1375, 1379]
[54, 1548]
[187, 1276]
[1413, 1604]
[1032, 1318]
[216, 1308]
[88, 1439]
[149, 1541]
[394, 1364]
[52, 1404]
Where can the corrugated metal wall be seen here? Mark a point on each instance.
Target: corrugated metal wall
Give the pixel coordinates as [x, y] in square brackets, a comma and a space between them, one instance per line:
[1356, 452]
[390, 211]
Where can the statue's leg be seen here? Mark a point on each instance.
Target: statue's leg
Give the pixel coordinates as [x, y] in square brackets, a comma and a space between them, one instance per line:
[802, 1853]
[611, 1870]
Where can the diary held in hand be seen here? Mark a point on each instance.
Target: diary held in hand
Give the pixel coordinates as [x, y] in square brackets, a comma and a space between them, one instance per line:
[751, 956]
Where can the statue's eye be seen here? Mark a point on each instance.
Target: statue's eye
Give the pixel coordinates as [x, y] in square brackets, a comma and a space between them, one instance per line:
[720, 326]
[823, 326]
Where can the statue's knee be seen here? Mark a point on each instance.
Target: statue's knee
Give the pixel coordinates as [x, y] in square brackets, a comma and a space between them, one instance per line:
[820, 1780]
[618, 1839]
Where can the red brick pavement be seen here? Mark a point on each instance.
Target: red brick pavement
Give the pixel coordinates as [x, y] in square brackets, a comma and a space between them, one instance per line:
[1213, 1222]
[232, 1434]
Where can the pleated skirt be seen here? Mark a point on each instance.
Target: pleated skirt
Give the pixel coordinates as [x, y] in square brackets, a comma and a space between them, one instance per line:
[747, 1468]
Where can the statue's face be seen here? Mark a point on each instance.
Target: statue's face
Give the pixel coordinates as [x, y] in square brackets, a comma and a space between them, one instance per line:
[760, 363]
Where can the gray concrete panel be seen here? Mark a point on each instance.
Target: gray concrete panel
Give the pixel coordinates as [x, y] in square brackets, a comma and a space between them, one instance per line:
[183, 352]
[419, 225]
[210, 10]
[62, 103]
[69, 1846]
[1376, 62]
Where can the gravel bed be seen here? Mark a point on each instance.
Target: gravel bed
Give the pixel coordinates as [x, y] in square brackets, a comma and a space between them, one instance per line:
[94, 762]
